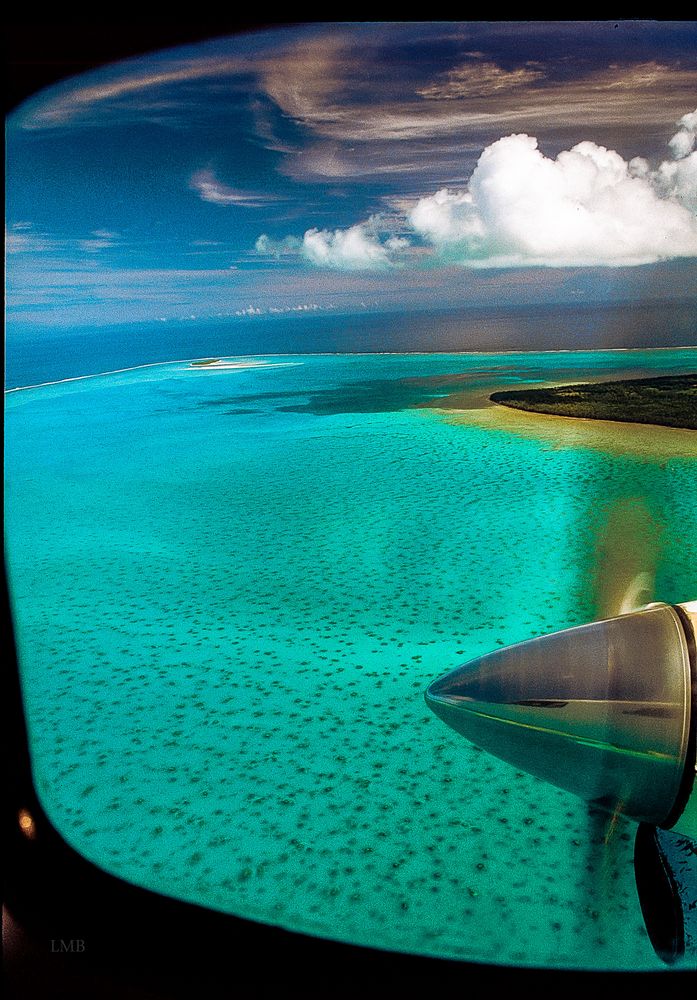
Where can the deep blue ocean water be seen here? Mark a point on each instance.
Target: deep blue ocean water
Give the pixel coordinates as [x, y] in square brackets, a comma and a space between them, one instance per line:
[45, 355]
[231, 588]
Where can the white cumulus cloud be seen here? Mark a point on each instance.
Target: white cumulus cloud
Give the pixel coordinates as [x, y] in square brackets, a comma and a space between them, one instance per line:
[367, 246]
[586, 207]
[353, 249]
[677, 180]
[683, 142]
[266, 246]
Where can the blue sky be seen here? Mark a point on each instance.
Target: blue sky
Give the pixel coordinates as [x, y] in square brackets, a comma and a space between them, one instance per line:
[359, 166]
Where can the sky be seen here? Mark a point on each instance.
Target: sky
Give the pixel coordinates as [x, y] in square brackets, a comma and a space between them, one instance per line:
[354, 166]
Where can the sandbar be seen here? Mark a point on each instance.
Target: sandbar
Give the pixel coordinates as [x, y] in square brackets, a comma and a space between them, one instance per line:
[231, 364]
[645, 441]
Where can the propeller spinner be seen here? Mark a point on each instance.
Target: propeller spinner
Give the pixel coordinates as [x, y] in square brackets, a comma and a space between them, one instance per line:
[603, 710]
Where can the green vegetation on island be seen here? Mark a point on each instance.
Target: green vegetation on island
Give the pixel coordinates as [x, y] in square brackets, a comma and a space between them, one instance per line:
[670, 400]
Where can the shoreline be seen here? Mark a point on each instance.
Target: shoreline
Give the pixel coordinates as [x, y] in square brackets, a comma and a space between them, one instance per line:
[648, 441]
[618, 437]
[245, 361]
[351, 354]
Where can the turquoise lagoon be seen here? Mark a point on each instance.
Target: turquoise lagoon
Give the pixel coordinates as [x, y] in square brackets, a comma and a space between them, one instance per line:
[231, 587]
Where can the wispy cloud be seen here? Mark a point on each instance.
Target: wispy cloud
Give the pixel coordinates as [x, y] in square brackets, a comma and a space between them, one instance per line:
[340, 91]
[209, 188]
[264, 127]
[364, 110]
[99, 239]
[338, 102]
[479, 77]
[86, 99]
[22, 238]
[25, 238]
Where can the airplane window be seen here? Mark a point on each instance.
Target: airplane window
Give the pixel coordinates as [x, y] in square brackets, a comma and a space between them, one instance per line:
[259, 499]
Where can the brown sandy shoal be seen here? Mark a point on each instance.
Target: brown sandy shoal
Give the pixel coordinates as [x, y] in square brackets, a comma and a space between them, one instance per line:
[648, 441]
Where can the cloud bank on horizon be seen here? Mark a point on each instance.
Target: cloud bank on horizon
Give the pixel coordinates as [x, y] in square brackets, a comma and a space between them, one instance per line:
[586, 207]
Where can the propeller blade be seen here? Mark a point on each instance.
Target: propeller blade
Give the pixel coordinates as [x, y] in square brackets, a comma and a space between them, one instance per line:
[628, 548]
[665, 865]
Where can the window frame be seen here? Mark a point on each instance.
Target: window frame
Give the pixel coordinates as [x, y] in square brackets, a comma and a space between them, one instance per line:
[86, 926]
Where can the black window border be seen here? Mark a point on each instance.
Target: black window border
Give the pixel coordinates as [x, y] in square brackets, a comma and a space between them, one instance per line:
[84, 932]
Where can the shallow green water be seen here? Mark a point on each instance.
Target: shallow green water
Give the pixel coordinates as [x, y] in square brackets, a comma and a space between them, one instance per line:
[231, 589]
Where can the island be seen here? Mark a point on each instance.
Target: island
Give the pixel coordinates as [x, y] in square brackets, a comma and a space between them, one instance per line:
[668, 400]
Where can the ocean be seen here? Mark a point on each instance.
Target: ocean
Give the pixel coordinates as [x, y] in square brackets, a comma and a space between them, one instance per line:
[36, 355]
[231, 587]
